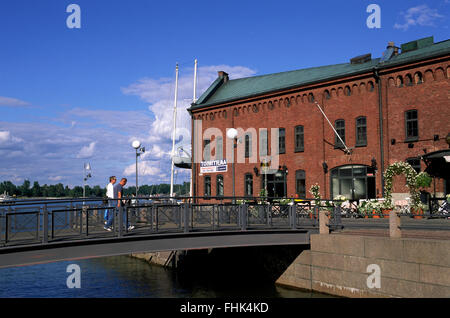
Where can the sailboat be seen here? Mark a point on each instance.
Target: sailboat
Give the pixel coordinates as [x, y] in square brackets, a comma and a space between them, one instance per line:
[5, 197]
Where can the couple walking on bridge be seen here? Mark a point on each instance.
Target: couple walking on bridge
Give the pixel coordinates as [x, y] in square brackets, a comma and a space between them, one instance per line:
[114, 192]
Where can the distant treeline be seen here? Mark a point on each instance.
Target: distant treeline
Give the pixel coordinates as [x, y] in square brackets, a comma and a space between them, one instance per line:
[59, 190]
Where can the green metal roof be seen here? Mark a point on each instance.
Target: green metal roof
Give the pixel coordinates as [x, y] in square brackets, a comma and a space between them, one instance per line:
[220, 91]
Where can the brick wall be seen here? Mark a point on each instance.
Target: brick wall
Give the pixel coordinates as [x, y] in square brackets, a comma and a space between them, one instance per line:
[290, 108]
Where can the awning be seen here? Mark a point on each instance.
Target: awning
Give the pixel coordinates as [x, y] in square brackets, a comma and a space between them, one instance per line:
[438, 163]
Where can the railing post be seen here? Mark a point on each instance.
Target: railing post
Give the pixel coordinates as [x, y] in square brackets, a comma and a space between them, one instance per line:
[394, 224]
[214, 209]
[244, 217]
[292, 216]
[323, 222]
[186, 217]
[45, 225]
[120, 220]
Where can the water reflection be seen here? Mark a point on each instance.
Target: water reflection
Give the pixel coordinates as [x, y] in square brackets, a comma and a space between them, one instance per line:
[123, 276]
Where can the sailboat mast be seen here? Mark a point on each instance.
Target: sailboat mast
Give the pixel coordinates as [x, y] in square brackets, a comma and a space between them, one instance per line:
[194, 99]
[174, 128]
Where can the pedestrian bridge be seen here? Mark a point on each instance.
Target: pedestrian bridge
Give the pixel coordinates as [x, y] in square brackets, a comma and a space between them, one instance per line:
[57, 231]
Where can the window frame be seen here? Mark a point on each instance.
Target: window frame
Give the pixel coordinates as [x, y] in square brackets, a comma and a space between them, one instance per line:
[299, 135]
[411, 121]
[361, 142]
[337, 142]
[248, 176]
[207, 185]
[218, 177]
[281, 141]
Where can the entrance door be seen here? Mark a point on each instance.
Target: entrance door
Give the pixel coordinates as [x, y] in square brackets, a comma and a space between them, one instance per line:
[276, 184]
[355, 182]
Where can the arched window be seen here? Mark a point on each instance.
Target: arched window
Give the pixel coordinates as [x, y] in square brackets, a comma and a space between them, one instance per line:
[370, 86]
[408, 80]
[311, 97]
[219, 148]
[399, 81]
[418, 78]
[326, 94]
[347, 91]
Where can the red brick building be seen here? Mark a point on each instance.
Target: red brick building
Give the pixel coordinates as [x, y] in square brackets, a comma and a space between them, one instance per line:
[394, 108]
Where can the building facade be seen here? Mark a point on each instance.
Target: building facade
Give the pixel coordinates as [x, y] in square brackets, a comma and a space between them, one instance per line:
[339, 126]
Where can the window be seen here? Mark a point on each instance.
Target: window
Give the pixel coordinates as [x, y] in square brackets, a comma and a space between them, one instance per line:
[415, 163]
[370, 86]
[281, 140]
[347, 91]
[300, 185]
[207, 149]
[219, 185]
[408, 80]
[207, 186]
[411, 124]
[418, 78]
[219, 148]
[311, 98]
[339, 125]
[264, 145]
[299, 138]
[361, 131]
[399, 81]
[327, 94]
[248, 184]
[248, 146]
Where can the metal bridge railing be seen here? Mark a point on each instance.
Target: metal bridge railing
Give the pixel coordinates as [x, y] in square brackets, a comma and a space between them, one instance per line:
[44, 221]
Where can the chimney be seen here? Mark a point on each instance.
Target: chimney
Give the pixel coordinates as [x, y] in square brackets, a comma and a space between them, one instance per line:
[223, 75]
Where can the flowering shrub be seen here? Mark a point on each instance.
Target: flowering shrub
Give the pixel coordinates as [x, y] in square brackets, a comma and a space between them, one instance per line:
[315, 191]
[411, 174]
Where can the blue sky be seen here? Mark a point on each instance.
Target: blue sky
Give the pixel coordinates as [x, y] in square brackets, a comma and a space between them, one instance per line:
[69, 96]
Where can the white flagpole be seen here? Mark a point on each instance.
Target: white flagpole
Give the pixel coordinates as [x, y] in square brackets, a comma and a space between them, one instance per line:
[174, 129]
[194, 99]
[347, 151]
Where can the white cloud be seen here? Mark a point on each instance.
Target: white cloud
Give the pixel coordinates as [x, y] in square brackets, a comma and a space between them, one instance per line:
[418, 16]
[55, 178]
[160, 92]
[14, 102]
[87, 151]
[145, 169]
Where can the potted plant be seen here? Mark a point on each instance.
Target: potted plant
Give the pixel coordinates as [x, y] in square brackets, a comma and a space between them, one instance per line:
[386, 207]
[363, 208]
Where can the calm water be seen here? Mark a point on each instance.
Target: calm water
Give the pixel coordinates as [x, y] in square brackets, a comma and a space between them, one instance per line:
[123, 276]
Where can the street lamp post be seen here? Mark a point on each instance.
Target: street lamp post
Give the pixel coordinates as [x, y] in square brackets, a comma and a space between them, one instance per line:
[86, 176]
[139, 150]
[232, 134]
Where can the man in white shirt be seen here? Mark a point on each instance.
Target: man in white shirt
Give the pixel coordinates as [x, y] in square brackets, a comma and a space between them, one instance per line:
[110, 195]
